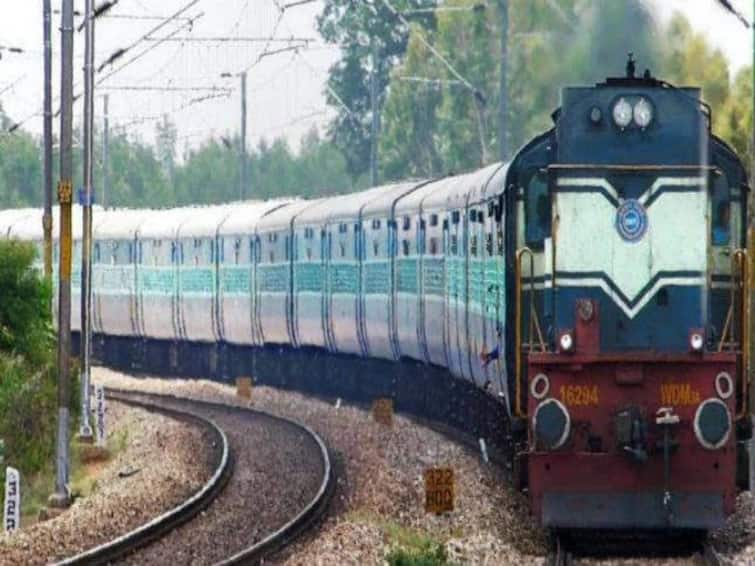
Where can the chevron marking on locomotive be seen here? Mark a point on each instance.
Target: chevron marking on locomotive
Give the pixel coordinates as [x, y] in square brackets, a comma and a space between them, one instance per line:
[670, 253]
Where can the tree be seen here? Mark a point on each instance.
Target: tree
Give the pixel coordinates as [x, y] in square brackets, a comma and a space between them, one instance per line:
[734, 118]
[321, 168]
[166, 137]
[209, 174]
[355, 27]
[551, 44]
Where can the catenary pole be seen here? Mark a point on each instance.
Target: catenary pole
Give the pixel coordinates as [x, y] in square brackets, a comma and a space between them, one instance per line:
[105, 149]
[242, 148]
[47, 135]
[503, 8]
[85, 429]
[61, 497]
[375, 129]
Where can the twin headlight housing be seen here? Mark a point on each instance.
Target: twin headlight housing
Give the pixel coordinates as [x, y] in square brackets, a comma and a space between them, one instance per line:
[624, 112]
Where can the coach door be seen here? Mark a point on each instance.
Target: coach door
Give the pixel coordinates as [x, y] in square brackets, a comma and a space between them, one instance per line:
[491, 355]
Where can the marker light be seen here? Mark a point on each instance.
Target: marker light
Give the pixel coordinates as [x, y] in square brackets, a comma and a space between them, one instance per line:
[622, 113]
[643, 113]
[696, 341]
[724, 385]
[540, 386]
[566, 342]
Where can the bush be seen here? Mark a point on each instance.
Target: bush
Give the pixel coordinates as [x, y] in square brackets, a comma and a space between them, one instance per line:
[28, 391]
[428, 554]
[25, 299]
[28, 411]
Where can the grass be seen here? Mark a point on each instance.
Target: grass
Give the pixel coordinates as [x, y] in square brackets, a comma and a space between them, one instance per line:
[409, 547]
[36, 489]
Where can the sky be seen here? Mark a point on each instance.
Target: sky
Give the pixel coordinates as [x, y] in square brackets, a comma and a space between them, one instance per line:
[285, 90]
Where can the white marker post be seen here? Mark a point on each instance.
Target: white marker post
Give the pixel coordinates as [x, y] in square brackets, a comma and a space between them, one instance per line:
[12, 509]
[99, 394]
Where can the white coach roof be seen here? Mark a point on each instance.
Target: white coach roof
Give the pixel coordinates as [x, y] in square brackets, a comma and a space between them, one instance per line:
[244, 217]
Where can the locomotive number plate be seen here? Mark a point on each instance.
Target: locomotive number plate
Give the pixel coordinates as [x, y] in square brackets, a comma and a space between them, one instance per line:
[679, 394]
[580, 395]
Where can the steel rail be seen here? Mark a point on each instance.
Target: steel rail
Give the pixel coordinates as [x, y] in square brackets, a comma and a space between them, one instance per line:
[308, 516]
[168, 521]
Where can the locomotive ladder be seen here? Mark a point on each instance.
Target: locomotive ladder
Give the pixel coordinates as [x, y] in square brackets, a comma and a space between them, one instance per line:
[735, 336]
[534, 328]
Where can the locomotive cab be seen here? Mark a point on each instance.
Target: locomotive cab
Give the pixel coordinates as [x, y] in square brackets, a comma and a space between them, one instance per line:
[631, 319]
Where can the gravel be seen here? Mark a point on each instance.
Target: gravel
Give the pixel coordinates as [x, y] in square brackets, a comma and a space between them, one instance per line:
[277, 471]
[173, 461]
[379, 498]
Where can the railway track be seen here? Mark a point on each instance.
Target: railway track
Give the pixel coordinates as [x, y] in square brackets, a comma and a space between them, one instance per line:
[143, 535]
[281, 483]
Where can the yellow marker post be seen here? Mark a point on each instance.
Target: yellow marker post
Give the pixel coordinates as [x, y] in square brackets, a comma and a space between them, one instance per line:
[440, 490]
[244, 387]
[382, 411]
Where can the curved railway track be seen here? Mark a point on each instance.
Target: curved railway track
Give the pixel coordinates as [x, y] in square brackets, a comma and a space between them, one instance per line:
[281, 483]
[159, 526]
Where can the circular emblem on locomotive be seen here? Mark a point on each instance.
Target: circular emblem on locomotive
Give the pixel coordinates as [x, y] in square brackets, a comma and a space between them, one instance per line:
[631, 220]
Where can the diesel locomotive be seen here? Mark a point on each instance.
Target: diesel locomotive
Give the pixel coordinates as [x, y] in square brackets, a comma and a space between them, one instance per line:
[592, 295]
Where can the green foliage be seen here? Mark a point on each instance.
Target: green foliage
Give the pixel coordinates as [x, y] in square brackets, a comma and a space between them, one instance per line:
[427, 554]
[27, 414]
[27, 373]
[356, 27]
[430, 130]
[430, 127]
[25, 323]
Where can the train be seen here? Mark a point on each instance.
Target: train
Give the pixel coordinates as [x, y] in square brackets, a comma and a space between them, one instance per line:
[585, 304]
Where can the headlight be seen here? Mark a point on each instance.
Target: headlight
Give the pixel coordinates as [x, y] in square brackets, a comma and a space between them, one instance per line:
[566, 342]
[643, 113]
[622, 113]
[712, 423]
[551, 424]
[696, 341]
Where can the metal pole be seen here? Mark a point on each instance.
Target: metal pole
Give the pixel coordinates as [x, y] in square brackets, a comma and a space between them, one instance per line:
[375, 130]
[242, 148]
[47, 127]
[748, 374]
[85, 429]
[61, 497]
[105, 151]
[503, 7]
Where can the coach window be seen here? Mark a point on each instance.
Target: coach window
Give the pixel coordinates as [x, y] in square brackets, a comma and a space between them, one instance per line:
[537, 209]
[433, 246]
[721, 211]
